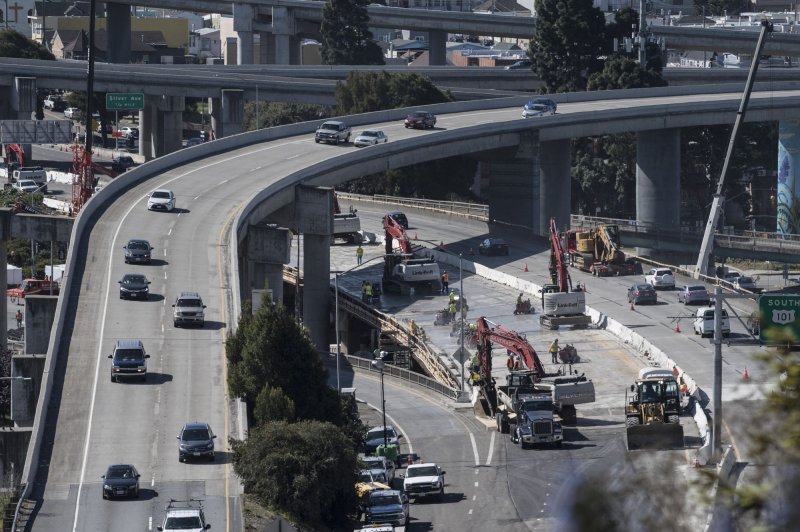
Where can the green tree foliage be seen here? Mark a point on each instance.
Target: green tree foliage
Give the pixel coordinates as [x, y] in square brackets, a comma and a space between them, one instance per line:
[346, 39]
[15, 44]
[269, 350]
[273, 405]
[625, 24]
[567, 43]
[624, 73]
[306, 469]
[271, 114]
[604, 175]
[363, 92]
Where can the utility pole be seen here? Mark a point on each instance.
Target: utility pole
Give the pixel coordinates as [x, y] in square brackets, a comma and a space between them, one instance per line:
[642, 36]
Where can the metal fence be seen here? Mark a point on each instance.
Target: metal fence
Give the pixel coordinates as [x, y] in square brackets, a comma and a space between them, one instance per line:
[471, 210]
[405, 375]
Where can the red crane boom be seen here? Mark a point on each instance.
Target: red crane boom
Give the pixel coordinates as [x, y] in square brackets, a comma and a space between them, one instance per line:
[395, 231]
[491, 333]
[558, 266]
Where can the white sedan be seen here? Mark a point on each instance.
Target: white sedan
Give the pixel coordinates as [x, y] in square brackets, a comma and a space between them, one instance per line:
[370, 137]
[161, 200]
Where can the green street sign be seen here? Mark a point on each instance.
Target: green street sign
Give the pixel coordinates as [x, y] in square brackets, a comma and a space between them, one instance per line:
[779, 317]
[124, 101]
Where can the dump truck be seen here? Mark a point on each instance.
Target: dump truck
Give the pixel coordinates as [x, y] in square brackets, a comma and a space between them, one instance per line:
[652, 411]
[561, 305]
[526, 413]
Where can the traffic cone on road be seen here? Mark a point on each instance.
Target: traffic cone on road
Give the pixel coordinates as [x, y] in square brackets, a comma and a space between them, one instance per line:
[677, 326]
[415, 236]
[525, 269]
[745, 375]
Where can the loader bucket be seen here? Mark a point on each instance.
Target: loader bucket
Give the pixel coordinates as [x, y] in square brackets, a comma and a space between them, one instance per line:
[655, 436]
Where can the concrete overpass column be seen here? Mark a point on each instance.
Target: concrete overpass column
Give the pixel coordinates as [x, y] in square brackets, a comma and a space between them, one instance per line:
[148, 122]
[437, 47]
[227, 113]
[268, 249]
[555, 182]
[160, 125]
[267, 48]
[119, 25]
[243, 26]
[40, 311]
[283, 27]
[513, 193]
[314, 219]
[23, 105]
[658, 183]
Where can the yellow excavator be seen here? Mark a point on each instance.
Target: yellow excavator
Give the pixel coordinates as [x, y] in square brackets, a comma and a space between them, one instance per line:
[652, 411]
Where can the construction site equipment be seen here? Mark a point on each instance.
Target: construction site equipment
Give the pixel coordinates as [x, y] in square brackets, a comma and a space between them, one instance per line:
[524, 307]
[561, 305]
[347, 225]
[597, 251]
[31, 287]
[402, 270]
[564, 391]
[652, 411]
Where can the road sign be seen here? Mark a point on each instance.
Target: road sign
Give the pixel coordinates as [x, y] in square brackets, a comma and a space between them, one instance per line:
[779, 319]
[124, 101]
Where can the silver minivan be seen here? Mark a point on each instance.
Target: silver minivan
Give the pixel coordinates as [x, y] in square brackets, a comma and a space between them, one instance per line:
[704, 322]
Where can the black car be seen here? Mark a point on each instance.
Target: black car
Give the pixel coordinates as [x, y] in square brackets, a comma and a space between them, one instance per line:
[120, 480]
[493, 246]
[196, 440]
[133, 285]
[642, 293]
[523, 63]
[398, 217]
[128, 361]
[122, 163]
[137, 251]
[420, 120]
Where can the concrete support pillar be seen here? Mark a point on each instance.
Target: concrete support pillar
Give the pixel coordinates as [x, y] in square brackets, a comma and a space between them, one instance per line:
[658, 183]
[243, 16]
[25, 391]
[23, 105]
[555, 182]
[118, 19]
[40, 311]
[266, 45]
[161, 125]
[227, 113]
[283, 26]
[514, 196]
[268, 249]
[437, 48]
[314, 219]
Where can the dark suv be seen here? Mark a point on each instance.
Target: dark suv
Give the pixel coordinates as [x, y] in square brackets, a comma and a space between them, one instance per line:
[128, 361]
[196, 440]
[137, 251]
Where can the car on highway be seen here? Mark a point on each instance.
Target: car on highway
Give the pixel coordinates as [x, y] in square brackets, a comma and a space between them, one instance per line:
[120, 480]
[375, 437]
[133, 285]
[731, 276]
[642, 293]
[422, 480]
[196, 440]
[188, 310]
[161, 200]
[72, 113]
[332, 132]
[128, 361]
[380, 467]
[387, 507]
[539, 107]
[493, 246]
[194, 141]
[694, 293]
[518, 65]
[660, 278]
[370, 137]
[123, 162]
[137, 250]
[704, 322]
[26, 185]
[129, 131]
[398, 217]
[184, 515]
[745, 282]
[420, 120]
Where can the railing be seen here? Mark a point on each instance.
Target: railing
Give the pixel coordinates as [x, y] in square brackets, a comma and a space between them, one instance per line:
[406, 375]
[471, 210]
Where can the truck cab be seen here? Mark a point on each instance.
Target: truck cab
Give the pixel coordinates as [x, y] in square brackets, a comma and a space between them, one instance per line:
[535, 423]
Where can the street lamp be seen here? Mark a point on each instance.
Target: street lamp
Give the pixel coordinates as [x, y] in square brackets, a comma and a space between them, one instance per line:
[461, 289]
[336, 312]
[15, 378]
[379, 363]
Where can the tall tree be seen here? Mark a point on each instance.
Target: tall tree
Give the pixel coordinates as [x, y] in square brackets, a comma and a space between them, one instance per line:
[346, 39]
[363, 92]
[567, 44]
[15, 44]
[272, 114]
[624, 73]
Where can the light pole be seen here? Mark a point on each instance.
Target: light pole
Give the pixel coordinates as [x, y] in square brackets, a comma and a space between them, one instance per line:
[463, 302]
[336, 312]
[380, 364]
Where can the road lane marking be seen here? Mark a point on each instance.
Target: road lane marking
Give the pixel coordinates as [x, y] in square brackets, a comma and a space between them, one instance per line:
[224, 181]
[197, 197]
[150, 523]
[491, 449]
[475, 449]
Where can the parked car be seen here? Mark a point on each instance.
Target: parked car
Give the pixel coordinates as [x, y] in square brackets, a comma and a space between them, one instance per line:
[161, 200]
[745, 282]
[420, 120]
[128, 361]
[137, 250]
[196, 440]
[123, 162]
[26, 185]
[660, 278]
[423, 480]
[375, 437]
[694, 293]
[521, 64]
[642, 293]
[121, 480]
[704, 322]
[133, 285]
[493, 246]
[129, 131]
[387, 507]
[381, 468]
[539, 107]
[72, 113]
[370, 137]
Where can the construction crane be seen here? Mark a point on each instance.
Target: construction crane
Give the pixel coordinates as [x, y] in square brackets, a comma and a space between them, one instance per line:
[560, 305]
[492, 333]
[17, 152]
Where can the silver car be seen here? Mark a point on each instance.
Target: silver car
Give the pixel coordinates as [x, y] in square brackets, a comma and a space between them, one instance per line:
[694, 293]
[370, 137]
[539, 107]
[188, 310]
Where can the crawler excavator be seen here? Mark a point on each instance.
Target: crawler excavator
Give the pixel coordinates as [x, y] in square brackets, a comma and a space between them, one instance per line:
[597, 251]
[402, 270]
[560, 304]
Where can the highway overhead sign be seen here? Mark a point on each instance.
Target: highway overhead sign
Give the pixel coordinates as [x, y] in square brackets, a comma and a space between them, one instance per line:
[779, 319]
[124, 101]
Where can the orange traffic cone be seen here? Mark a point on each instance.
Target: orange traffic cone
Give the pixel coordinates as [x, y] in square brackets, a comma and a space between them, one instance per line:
[415, 236]
[745, 376]
[677, 326]
[525, 269]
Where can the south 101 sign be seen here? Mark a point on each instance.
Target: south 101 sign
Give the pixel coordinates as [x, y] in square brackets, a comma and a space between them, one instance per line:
[779, 319]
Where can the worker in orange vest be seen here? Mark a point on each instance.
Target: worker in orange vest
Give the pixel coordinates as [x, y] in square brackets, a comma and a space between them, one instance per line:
[445, 282]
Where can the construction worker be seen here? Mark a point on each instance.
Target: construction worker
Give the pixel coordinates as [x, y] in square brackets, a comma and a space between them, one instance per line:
[553, 350]
[519, 300]
[510, 362]
[452, 297]
[364, 291]
[360, 254]
[452, 310]
[445, 282]
[517, 363]
[19, 319]
[368, 291]
[413, 328]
